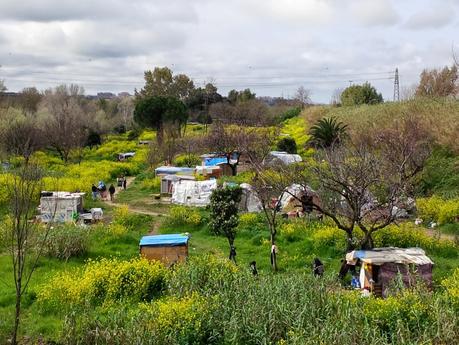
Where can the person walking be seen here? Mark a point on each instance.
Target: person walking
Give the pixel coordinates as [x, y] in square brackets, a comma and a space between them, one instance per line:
[95, 191]
[124, 183]
[111, 190]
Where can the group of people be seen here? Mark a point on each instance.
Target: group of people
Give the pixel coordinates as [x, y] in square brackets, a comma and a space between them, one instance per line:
[101, 189]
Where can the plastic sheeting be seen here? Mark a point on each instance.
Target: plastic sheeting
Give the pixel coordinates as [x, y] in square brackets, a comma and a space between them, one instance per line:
[166, 170]
[284, 157]
[170, 240]
[193, 193]
[379, 256]
[249, 200]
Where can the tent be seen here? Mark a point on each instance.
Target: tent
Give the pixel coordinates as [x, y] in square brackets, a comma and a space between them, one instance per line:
[380, 266]
[280, 157]
[289, 199]
[193, 193]
[169, 248]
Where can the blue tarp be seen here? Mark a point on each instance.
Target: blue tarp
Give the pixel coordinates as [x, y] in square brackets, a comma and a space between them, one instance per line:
[210, 162]
[171, 240]
[164, 170]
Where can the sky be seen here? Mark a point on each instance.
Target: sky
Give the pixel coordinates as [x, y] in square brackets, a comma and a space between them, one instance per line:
[270, 46]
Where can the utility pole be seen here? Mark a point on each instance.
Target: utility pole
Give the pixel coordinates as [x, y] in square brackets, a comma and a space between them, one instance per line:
[396, 87]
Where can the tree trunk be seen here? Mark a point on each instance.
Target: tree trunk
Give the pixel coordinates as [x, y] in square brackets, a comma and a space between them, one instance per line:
[273, 252]
[367, 241]
[350, 244]
[16, 317]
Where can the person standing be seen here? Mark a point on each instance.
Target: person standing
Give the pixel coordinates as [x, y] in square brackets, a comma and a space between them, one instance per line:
[111, 190]
[95, 191]
[124, 183]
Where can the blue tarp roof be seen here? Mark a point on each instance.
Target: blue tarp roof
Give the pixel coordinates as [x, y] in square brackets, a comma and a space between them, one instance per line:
[171, 240]
[214, 161]
[173, 170]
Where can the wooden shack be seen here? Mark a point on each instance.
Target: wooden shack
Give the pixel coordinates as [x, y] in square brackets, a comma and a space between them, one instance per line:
[168, 249]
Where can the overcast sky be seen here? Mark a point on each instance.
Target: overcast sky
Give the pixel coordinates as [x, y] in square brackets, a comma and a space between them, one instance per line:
[271, 46]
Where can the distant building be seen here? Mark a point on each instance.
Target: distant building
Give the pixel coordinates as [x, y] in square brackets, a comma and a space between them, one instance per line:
[105, 95]
[124, 94]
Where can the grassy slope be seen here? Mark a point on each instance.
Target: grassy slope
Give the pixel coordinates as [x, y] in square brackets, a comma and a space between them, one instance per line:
[251, 244]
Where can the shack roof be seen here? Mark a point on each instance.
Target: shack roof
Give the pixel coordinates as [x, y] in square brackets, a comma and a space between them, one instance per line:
[60, 195]
[379, 256]
[168, 170]
[171, 240]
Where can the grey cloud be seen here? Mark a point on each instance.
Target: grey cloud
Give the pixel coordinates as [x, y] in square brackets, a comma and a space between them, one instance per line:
[431, 18]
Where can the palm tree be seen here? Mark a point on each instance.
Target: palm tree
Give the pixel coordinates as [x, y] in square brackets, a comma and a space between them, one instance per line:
[327, 132]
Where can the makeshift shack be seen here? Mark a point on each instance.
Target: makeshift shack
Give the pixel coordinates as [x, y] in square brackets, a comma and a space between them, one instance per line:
[60, 206]
[168, 249]
[167, 182]
[280, 157]
[193, 193]
[169, 170]
[380, 266]
[126, 155]
[209, 172]
[220, 160]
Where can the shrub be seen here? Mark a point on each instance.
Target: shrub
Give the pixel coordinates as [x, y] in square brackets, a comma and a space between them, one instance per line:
[204, 274]
[181, 215]
[102, 283]
[187, 160]
[153, 184]
[178, 320]
[287, 144]
[293, 231]
[66, 240]
[251, 222]
[451, 284]
[409, 235]
[130, 221]
[329, 237]
[438, 209]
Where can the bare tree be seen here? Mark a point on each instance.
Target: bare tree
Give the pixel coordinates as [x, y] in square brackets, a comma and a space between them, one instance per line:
[22, 235]
[360, 185]
[67, 125]
[438, 83]
[22, 137]
[29, 100]
[126, 110]
[336, 97]
[303, 96]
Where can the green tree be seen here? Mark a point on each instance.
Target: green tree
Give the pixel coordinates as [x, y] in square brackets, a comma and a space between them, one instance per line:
[235, 96]
[360, 94]
[156, 111]
[224, 214]
[162, 82]
[287, 144]
[328, 131]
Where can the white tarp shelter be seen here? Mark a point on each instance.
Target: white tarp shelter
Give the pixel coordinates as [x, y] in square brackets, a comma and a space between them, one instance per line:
[193, 193]
[60, 206]
[282, 157]
[167, 182]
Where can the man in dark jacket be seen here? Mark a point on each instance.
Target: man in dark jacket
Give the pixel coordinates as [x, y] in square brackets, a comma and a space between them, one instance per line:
[111, 189]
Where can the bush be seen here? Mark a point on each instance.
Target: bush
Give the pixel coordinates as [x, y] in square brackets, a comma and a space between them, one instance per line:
[293, 231]
[329, 237]
[181, 215]
[409, 235]
[64, 241]
[287, 144]
[153, 184]
[204, 274]
[438, 209]
[451, 284]
[187, 160]
[130, 221]
[103, 283]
